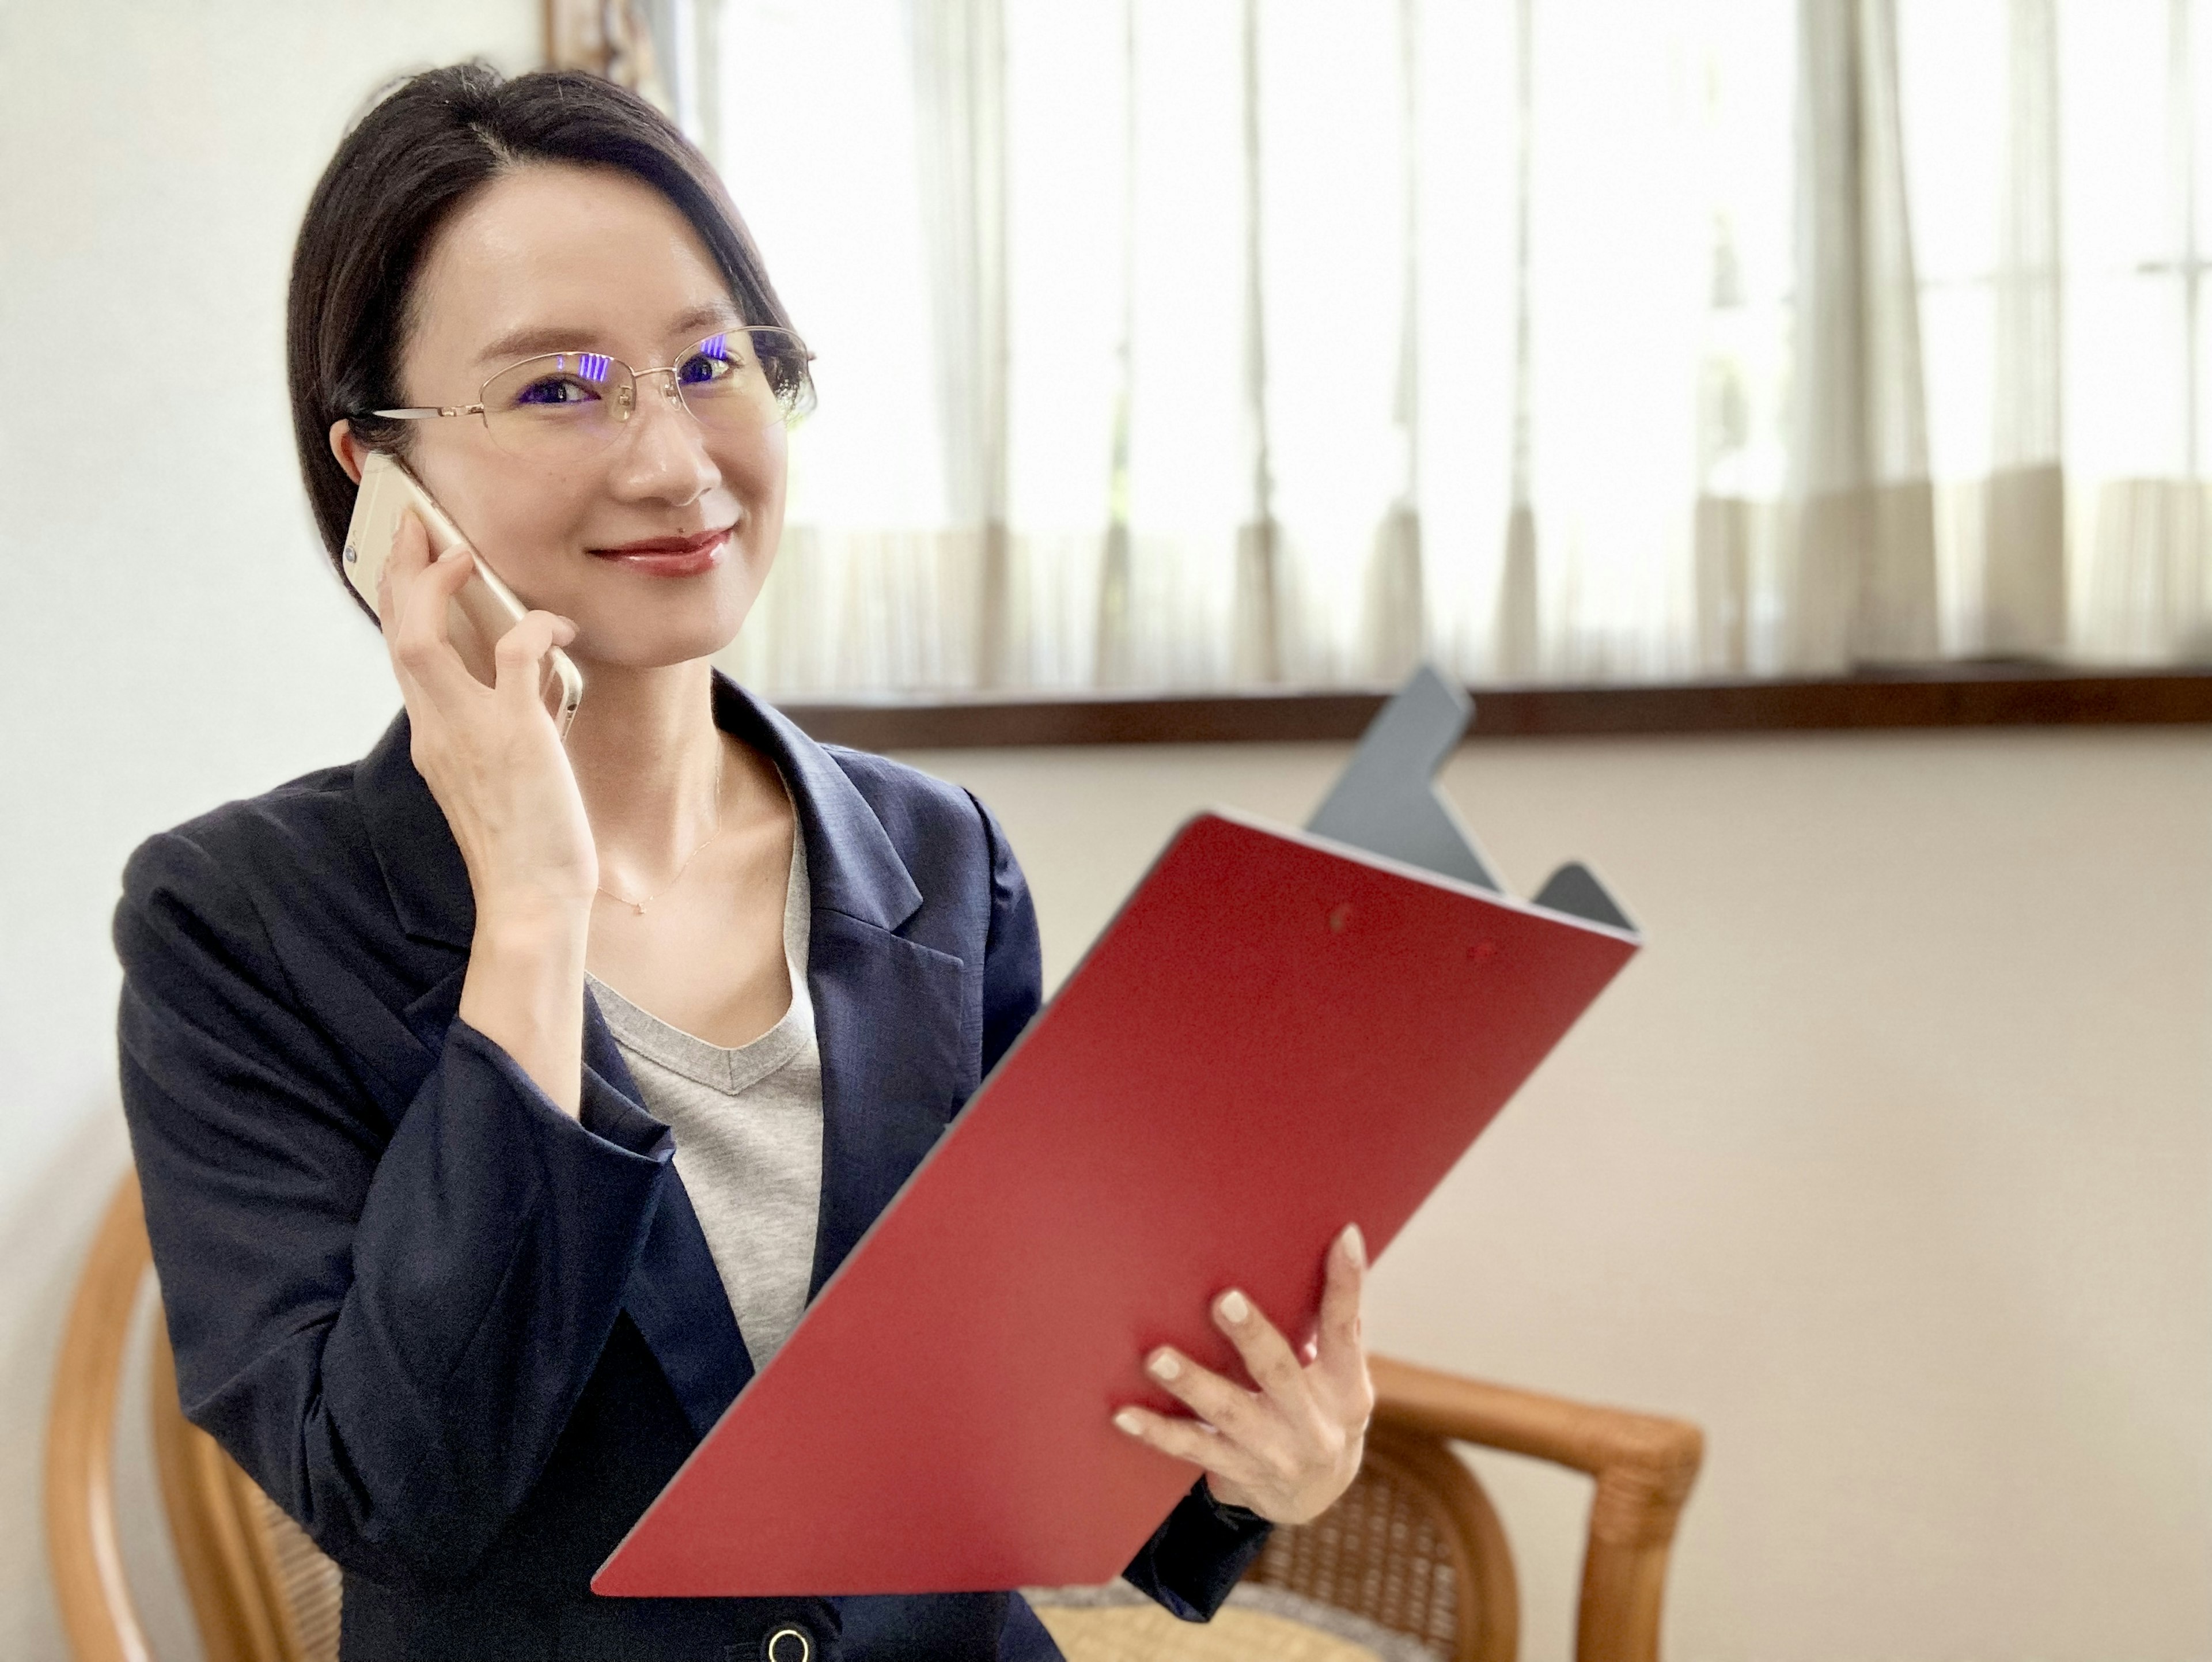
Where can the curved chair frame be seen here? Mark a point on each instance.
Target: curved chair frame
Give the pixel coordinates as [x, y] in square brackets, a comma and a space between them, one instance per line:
[85, 1552]
[261, 1593]
[1643, 1466]
[252, 1598]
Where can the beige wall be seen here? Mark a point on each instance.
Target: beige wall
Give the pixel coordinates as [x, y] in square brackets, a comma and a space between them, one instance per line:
[170, 635]
[1889, 1160]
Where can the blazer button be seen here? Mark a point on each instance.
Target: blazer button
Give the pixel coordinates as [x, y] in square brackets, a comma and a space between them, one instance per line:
[787, 1644]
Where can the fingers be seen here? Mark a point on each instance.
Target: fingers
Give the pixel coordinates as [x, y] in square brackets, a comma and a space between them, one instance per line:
[1345, 1278]
[402, 564]
[414, 598]
[1268, 1356]
[1184, 1439]
[1269, 1425]
[1222, 1404]
[1289, 1449]
[518, 657]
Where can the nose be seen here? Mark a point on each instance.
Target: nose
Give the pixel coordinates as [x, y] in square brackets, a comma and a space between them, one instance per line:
[665, 454]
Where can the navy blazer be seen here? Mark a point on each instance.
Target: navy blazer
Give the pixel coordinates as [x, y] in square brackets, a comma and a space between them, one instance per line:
[463, 1338]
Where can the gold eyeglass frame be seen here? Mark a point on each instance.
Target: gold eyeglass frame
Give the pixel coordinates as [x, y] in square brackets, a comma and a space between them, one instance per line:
[627, 403]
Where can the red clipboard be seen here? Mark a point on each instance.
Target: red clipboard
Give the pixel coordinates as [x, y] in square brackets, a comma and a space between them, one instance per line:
[1276, 1036]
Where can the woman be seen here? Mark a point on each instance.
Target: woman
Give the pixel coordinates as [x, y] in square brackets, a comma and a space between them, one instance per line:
[500, 1105]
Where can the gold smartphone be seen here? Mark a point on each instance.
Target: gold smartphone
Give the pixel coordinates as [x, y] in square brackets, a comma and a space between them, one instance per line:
[484, 610]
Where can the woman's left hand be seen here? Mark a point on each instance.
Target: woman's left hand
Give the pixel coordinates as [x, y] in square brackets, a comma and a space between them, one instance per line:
[1287, 1450]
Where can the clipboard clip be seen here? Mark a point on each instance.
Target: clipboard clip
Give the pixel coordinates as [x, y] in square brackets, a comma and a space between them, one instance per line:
[1386, 802]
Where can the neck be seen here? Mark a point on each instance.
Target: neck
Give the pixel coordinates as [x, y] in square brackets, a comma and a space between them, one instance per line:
[648, 758]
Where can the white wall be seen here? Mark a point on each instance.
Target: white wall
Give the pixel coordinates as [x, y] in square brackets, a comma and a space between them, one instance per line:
[1889, 1161]
[169, 636]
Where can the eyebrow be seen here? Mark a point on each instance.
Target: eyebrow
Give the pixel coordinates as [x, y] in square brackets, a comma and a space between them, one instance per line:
[535, 339]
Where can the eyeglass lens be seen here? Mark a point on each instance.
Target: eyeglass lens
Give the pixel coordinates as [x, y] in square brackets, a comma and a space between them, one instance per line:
[739, 380]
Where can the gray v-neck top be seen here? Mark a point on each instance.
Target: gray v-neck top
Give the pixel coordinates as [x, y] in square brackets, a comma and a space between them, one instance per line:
[748, 1128]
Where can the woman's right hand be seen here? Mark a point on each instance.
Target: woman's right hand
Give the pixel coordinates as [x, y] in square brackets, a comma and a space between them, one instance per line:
[493, 759]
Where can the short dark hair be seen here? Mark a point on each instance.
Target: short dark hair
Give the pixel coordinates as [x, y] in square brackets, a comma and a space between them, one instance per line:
[421, 149]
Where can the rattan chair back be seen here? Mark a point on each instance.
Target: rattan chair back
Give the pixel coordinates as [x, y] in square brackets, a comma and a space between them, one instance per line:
[260, 1590]
[1413, 1546]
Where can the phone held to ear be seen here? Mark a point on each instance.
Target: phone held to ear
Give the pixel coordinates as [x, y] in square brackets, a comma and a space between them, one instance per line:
[484, 610]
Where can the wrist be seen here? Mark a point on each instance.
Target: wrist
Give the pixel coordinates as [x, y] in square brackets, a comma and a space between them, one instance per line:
[525, 992]
[531, 924]
[1228, 1503]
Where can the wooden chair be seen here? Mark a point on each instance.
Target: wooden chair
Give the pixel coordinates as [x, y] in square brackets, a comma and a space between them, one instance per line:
[1413, 1547]
[260, 1590]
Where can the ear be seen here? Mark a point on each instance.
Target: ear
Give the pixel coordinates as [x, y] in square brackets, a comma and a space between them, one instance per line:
[349, 450]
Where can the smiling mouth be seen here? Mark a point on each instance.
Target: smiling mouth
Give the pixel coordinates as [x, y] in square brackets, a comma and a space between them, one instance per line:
[671, 557]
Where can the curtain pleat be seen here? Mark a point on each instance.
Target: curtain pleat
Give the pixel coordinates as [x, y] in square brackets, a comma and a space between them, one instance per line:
[1396, 635]
[1113, 657]
[1519, 653]
[2023, 574]
[1258, 653]
[1862, 544]
[960, 97]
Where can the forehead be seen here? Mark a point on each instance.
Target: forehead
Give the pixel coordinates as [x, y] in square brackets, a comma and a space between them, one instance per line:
[549, 246]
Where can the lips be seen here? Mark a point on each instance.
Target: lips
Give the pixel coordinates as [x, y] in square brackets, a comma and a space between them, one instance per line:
[671, 556]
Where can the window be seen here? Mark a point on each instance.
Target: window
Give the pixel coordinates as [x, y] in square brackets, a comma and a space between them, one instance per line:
[1216, 344]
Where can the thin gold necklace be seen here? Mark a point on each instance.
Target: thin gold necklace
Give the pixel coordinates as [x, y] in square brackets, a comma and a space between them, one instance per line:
[721, 754]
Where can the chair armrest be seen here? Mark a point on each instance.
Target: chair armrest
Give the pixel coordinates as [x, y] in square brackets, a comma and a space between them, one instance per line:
[1582, 1435]
[1644, 1464]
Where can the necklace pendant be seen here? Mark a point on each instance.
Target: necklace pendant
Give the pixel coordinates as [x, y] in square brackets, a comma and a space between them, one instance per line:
[639, 906]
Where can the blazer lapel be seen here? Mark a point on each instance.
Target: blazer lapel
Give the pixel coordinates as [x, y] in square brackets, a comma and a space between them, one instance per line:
[890, 1014]
[423, 867]
[675, 1295]
[428, 884]
[888, 1018]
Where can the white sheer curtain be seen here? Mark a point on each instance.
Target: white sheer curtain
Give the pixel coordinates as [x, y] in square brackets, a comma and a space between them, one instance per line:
[1226, 343]
[2063, 229]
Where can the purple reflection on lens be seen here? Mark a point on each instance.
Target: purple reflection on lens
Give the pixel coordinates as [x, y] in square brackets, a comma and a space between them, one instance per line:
[715, 346]
[593, 365]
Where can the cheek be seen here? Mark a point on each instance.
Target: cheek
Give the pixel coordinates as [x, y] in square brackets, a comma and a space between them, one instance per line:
[523, 524]
[755, 474]
[756, 471]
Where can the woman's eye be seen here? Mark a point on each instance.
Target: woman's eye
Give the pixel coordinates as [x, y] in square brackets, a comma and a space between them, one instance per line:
[701, 367]
[555, 390]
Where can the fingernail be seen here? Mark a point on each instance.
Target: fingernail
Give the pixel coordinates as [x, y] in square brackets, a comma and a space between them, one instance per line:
[452, 551]
[1355, 1244]
[1164, 1366]
[1126, 1420]
[1235, 1307]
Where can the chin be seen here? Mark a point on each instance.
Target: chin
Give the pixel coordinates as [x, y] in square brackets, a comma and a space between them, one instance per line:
[662, 635]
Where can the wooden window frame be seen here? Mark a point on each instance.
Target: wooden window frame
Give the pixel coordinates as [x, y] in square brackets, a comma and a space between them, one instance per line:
[1954, 696]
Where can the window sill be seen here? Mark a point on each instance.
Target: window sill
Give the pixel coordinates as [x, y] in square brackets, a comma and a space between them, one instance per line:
[2008, 695]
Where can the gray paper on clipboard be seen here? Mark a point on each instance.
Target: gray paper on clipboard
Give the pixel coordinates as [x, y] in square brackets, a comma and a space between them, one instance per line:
[1386, 802]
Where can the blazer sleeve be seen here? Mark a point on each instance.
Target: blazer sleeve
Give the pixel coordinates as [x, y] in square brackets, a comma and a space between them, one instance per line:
[1203, 1548]
[1013, 959]
[1197, 1556]
[386, 1324]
